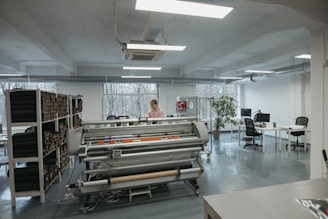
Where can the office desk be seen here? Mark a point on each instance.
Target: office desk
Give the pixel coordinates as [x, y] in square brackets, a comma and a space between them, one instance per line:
[294, 128]
[272, 202]
[263, 130]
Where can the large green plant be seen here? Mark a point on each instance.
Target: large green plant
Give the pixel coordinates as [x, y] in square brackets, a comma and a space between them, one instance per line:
[225, 109]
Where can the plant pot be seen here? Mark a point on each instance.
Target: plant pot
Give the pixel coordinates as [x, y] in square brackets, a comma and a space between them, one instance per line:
[216, 134]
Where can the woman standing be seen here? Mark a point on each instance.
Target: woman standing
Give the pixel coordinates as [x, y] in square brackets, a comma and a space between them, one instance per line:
[154, 111]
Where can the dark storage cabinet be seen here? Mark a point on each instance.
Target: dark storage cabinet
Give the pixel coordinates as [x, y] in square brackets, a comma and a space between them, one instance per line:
[25, 145]
[27, 179]
[23, 106]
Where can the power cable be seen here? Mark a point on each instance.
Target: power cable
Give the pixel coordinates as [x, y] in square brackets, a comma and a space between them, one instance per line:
[65, 195]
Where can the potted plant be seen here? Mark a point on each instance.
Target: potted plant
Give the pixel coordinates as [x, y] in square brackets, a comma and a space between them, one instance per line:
[225, 109]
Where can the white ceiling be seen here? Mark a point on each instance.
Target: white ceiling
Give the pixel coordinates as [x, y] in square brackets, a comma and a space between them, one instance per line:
[80, 38]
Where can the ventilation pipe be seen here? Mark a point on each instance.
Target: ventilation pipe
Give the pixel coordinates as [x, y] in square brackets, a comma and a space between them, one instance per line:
[112, 79]
[280, 72]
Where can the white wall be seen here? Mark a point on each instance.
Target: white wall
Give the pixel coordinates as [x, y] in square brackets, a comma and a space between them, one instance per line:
[319, 103]
[285, 98]
[169, 92]
[92, 97]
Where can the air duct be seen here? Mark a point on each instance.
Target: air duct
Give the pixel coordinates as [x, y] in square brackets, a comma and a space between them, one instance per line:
[111, 79]
[280, 72]
[295, 69]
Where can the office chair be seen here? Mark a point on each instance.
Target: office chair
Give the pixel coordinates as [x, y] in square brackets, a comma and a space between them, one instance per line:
[111, 117]
[251, 131]
[301, 120]
[125, 117]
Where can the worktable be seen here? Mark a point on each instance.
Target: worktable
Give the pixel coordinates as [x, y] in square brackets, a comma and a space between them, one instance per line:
[272, 202]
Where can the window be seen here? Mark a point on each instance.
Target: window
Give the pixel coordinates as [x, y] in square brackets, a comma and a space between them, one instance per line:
[205, 91]
[128, 99]
[24, 85]
[216, 90]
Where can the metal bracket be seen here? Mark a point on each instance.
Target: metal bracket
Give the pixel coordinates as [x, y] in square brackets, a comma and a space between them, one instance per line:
[117, 153]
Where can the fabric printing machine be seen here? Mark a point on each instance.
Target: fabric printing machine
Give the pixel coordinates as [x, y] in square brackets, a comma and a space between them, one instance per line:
[131, 153]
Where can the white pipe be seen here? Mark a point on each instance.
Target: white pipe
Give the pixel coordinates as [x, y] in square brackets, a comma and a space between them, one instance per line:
[162, 152]
[192, 170]
[138, 166]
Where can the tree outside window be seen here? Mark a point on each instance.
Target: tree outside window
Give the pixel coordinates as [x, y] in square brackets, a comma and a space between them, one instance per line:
[128, 99]
[206, 91]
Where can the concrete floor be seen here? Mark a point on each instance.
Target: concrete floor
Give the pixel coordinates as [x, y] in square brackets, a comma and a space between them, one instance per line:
[230, 168]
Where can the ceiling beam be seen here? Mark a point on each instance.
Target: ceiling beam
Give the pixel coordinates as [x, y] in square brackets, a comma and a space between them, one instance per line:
[18, 19]
[8, 63]
[282, 53]
[234, 44]
[314, 9]
[11, 66]
[274, 23]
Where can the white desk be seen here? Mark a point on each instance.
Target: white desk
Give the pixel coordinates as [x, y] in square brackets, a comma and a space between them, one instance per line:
[263, 130]
[294, 128]
[272, 202]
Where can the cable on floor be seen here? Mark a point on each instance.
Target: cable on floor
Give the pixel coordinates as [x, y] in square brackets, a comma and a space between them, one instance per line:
[107, 197]
[66, 195]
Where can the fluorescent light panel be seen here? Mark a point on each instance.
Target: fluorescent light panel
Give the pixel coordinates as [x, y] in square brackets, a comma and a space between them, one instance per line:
[303, 56]
[231, 78]
[141, 68]
[154, 47]
[135, 76]
[8, 75]
[184, 8]
[259, 71]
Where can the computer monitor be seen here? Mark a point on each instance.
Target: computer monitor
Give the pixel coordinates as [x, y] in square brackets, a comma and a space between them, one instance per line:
[262, 117]
[245, 112]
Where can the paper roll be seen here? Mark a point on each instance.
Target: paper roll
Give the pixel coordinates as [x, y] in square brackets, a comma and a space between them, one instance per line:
[143, 176]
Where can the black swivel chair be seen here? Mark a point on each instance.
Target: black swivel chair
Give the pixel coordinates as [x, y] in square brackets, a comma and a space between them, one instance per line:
[125, 117]
[301, 120]
[111, 117]
[251, 132]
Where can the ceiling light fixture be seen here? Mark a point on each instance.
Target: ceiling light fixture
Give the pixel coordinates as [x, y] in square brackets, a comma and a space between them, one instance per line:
[141, 68]
[231, 78]
[303, 56]
[184, 8]
[154, 47]
[9, 75]
[135, 76]
[259, 71]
